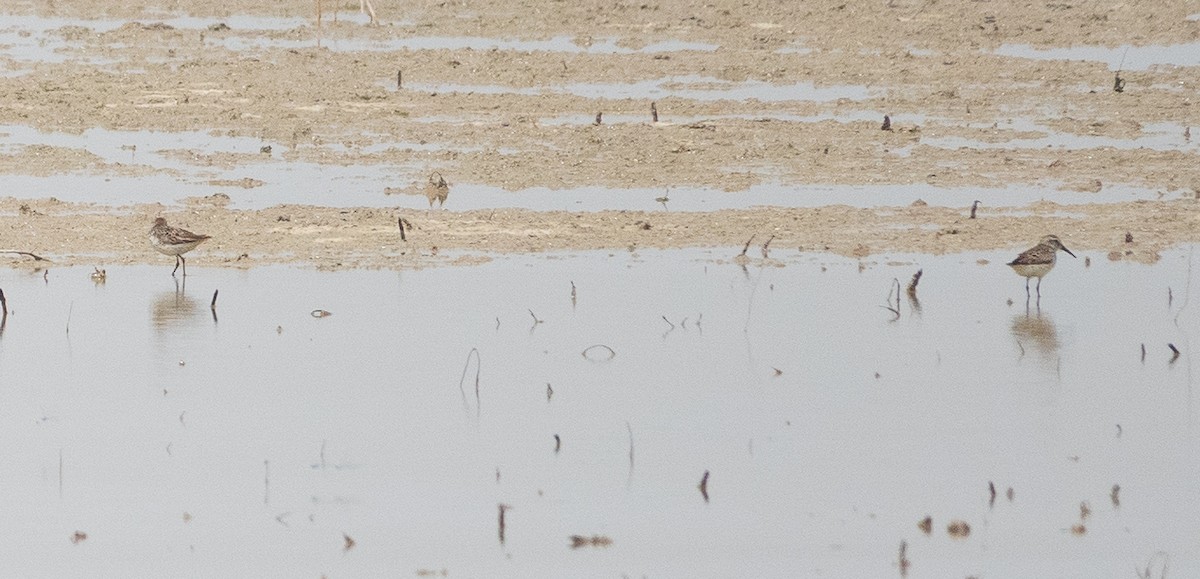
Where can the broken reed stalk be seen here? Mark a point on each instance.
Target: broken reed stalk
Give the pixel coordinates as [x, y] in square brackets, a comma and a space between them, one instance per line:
[400, 224]
[478, 364]
[746, 247]
[916, 279]
[502, 508]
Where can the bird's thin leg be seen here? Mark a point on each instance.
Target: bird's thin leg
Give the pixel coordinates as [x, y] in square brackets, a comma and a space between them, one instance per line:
[1026, 288]
[181, 258]
[177, 267]
[1039, 289]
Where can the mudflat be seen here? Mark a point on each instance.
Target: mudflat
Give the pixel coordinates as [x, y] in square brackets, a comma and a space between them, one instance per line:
[506, 95]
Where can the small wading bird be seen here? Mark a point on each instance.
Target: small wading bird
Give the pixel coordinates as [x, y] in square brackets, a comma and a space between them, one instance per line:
[174, 241]
[1038, 260]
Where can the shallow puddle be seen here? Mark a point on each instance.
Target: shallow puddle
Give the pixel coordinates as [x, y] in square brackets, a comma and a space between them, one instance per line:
[1124, 57]
[259, 438]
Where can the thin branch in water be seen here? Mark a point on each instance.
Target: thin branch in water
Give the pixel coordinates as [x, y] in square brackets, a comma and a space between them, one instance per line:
[463, 378]
[502, 508]
[664, 318]
[894, 290]
[536, 321]
[611, 353]
[549, 392]
[992, 494]
[1174, 353]
[704, 486]
[557, 444]
[1143, 352]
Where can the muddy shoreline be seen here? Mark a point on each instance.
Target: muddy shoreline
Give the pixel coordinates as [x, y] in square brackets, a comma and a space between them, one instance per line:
[504, 96]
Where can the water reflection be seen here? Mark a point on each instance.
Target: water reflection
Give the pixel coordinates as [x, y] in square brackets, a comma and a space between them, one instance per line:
[1035, 330]
[173, 308]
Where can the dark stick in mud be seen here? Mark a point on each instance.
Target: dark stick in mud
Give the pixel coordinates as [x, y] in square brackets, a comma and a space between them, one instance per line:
[746, 247]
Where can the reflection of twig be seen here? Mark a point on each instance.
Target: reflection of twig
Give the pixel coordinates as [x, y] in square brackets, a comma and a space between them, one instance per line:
[766, 246]
[629, 429]
[502, 507]
[894, 290]
[478, 363]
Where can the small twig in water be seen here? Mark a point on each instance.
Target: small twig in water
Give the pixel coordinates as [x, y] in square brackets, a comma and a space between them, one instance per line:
[664, 318]
[502, 508]
[894, 290]
[611, 352]
[549, 392]
[704, 486]
[536, 321]
[1143, 353]
[557, 444]
[992, 494]
[1174, 353]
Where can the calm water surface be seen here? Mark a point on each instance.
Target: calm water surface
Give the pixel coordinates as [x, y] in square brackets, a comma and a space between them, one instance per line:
[253, 443]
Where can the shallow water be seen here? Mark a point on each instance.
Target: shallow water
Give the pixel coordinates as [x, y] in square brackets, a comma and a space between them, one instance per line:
[1124, 57]
[179, 166]
[276, 432]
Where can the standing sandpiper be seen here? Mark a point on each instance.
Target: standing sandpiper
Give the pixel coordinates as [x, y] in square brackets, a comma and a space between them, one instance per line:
[174, 241]
[1038, 260]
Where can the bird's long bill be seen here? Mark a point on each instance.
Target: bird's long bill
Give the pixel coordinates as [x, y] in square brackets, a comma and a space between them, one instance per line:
[1067, 250]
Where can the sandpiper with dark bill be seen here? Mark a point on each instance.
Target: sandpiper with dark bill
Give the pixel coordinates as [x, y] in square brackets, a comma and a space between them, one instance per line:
[174, 241]
[1038, 260]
